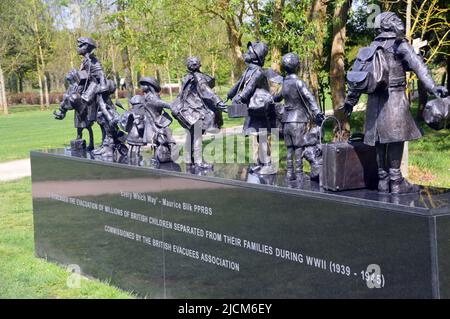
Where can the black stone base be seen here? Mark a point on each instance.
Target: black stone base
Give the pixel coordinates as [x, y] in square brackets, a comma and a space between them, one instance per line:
[167, 233]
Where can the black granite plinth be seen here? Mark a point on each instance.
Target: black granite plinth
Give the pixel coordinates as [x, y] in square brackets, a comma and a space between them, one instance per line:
[169, 232]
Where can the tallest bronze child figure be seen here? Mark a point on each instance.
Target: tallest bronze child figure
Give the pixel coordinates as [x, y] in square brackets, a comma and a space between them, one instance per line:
[380, 70]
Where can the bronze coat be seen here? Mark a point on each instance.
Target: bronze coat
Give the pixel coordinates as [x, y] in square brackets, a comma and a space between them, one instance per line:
[388, 115]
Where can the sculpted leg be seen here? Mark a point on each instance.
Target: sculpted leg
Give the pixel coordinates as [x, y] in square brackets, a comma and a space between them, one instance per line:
[91, 138]
[312, 155]
[290, 176]
[299, 163]
[79, 133]
[383, 175]
[399, 185]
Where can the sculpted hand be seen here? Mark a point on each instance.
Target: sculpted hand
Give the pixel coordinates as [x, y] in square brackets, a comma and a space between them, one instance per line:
[237, 99]
[320, 117]
[59, 115]
[223, 107]
[347, 108]
[440, 91]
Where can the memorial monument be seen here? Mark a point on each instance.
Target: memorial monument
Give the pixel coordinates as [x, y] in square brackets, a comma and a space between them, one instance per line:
[166, 230]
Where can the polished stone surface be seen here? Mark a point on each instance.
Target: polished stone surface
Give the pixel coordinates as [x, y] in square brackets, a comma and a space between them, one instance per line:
[429, 200]
[168, 233]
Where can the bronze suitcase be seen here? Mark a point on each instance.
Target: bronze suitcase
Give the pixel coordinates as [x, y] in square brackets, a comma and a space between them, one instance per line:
[237, 110]
[348, 165]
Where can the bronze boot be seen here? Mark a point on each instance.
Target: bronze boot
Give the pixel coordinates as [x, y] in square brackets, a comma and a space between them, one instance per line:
[383, 181]
[399, 185]
[290, 175]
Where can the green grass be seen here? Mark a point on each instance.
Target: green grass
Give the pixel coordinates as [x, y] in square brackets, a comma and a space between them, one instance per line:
[22, 275]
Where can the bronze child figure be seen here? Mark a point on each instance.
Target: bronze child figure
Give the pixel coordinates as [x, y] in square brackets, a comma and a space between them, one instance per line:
[157, 132]
[252, 90]
[136, 128]
[97, 91]
[297, 115]
[85, 114]
[198, 110]
[389, 122]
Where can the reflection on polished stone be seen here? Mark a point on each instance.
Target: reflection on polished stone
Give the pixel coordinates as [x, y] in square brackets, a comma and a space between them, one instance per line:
[427, 198]
[262, 179]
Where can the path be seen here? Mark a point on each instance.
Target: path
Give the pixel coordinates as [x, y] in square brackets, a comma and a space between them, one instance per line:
[13, 170]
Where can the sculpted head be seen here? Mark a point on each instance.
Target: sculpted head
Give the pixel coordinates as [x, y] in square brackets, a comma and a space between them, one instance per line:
[148, 84]
[193, 64]
[390, 22]
[290, 63]
[85, 45]
[256, 53]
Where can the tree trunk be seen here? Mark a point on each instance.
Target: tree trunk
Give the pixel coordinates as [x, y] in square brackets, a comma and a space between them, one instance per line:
[127, 69]
[40, 59]
[235, 43]
[318, 16]
[405, 160]
[169, 80]
[256, 15]
[41, 90]
[3, 101]
[337, 65]
[20, 83]
[125, 54]
[40, 62]
[448, 72]
[277, 21]
[158, 75]
[46, 94]
[114, 71]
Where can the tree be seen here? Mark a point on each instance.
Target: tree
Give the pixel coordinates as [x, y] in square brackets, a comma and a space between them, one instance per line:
[16, 54]
[41, 32]
[125, 54]
[3, 101]
[277, 40]
[337, 62]
[232, 13]
[318, 20]
[429, 21]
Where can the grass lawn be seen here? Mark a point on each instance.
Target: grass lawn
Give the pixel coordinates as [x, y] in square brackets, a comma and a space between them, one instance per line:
[22, 275]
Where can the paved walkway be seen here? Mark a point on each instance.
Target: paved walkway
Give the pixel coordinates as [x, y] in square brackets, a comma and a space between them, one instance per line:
[10, 171]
